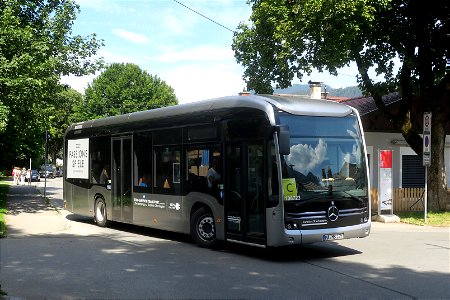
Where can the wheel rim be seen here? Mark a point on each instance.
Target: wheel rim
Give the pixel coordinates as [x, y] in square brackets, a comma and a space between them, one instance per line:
[206, 228]
[100, 211]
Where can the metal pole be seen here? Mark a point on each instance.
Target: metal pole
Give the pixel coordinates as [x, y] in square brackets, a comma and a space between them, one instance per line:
[378, 194]
[45, 165]
[29, 170]
[426, 194]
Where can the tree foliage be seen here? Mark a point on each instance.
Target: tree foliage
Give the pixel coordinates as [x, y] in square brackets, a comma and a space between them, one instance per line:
[36, 48]
[289, 38]
[124, 88]
[60, 115]
[4, 111]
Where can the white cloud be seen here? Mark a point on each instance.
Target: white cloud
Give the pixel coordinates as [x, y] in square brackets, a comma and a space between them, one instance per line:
[200, 53]
[110, 6]
[191, 82]
[198, 82]
[346, 77]
[111, 57]
[131, 36]
[305, 158]
[91, 4]
[78, 83]
[174, 25]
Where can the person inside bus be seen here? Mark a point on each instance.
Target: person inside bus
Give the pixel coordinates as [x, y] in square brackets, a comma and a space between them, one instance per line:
[104, 175]
[145, 181]
[213, 175]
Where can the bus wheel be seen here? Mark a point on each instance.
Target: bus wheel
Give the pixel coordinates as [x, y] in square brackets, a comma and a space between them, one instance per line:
[203, 228]
[100, 212]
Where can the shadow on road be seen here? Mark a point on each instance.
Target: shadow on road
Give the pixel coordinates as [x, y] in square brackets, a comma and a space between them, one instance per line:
[106, 267]
[24, 199]
[279, 254]
[134, 262]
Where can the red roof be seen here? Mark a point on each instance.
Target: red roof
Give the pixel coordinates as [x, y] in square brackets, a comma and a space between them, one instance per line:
[337, 99]
[367, 105]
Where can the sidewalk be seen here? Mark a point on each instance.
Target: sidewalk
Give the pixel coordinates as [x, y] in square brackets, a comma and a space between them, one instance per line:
[28, 214]
[55, 199]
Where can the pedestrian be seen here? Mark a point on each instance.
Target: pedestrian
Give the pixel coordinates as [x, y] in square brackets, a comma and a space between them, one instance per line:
[16, 175]
[23, 173]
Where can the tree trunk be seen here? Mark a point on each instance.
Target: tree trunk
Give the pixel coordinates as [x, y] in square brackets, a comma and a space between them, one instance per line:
[437, 181]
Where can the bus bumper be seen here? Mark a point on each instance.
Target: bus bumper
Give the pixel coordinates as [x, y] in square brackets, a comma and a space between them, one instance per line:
[327, 234]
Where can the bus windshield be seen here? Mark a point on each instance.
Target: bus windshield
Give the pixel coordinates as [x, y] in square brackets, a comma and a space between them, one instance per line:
[326, 157]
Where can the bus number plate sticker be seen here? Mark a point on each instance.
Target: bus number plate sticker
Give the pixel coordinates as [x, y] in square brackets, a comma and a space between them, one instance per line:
[332, 237]
[290, 189]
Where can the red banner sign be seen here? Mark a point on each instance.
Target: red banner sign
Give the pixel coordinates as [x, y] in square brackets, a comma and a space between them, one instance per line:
[385, 159]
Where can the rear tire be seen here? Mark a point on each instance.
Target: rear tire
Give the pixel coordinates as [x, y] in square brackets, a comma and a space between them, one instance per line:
[203, 228]
[100, 212]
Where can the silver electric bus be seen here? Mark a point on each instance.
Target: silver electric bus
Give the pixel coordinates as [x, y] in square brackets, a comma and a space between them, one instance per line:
[259, 170]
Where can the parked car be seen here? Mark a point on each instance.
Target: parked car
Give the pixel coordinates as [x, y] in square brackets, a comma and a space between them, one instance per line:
[59, 172]
[47, 171]
[34, 175]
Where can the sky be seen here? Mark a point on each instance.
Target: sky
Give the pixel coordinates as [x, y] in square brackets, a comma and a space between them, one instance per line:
[188, 51]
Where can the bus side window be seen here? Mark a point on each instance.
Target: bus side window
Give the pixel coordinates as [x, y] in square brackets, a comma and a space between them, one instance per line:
[273, 183]
[167, 170]
[200, 159]
[100, 156]
[142, 162]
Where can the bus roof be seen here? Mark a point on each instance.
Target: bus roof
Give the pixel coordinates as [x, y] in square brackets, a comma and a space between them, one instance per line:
[304, 105]
[268, 103]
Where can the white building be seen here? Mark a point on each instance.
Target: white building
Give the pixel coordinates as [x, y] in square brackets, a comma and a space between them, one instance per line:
[407, 168]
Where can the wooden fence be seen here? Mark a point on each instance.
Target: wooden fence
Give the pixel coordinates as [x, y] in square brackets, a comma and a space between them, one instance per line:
[404, 199]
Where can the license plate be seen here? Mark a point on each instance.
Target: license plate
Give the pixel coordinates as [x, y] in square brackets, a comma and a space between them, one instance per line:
[332, 237]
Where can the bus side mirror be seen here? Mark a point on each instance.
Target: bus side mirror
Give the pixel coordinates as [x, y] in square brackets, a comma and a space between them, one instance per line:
[284, 137]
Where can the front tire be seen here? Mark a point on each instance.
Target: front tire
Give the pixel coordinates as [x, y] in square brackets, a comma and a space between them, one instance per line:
[203, 228]
[100, 212]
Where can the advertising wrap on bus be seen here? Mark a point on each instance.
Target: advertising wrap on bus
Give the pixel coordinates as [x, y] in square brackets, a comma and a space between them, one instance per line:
[78, 159]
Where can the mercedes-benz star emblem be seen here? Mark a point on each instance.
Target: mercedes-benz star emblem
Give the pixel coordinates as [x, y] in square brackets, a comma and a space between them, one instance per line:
[333, 213]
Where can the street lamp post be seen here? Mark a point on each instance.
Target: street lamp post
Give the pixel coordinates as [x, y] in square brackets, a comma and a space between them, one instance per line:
[45, 164]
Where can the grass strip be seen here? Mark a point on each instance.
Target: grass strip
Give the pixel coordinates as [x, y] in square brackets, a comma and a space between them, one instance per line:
[433, 218]
[4, 187]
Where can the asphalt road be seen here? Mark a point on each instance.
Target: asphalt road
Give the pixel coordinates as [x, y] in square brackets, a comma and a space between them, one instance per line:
[50, 253]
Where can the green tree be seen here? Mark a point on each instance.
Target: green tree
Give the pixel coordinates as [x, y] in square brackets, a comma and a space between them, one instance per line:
[3, 116]
[288, 38]
[124, 88]
[60, 115]
[36, 48]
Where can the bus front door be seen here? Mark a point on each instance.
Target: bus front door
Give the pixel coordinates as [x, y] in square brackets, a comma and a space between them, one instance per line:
[245, 193]
[121, 179]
